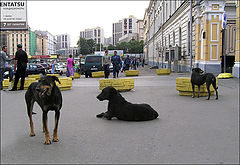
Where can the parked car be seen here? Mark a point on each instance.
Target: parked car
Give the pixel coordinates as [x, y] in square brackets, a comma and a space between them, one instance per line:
[60, 69]
[35, 69]
[93, 63]
[31, 69]
[46, 66]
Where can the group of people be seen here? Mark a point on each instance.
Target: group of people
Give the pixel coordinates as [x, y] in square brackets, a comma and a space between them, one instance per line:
[20, 65]
[118, 64]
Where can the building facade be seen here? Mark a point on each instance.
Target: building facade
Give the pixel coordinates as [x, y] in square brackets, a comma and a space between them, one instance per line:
[63, 41]
[97, 34]
[41, 44]
[168, 38]
[124, 27]
[51, 41]
[107, 41]
[140, 30]
[33, 43]
[14, 37]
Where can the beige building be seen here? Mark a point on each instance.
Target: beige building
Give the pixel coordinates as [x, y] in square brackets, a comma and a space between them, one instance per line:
[12, 38]
[41, 44]
[140, 30]
[168, 39]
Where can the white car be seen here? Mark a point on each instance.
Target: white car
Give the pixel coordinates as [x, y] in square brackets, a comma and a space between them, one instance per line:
[60, 69]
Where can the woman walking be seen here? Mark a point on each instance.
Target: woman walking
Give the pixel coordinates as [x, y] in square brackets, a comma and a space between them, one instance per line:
[70, 66]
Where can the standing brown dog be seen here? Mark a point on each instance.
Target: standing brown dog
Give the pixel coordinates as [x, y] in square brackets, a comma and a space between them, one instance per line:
[46, 93]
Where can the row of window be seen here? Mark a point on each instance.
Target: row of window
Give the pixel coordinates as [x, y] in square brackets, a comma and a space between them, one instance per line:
[25, 35]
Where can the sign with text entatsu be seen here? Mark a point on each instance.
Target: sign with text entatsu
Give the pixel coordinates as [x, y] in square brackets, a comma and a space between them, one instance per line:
[13, 14]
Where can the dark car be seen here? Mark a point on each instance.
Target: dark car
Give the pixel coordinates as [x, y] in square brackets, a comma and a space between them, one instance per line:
[46, 66]
[93, 63]
[31, 69]
[35, 69]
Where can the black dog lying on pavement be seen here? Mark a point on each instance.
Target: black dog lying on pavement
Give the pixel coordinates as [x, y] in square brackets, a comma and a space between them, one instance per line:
[121, 109]
[46, 93]
[197, 78]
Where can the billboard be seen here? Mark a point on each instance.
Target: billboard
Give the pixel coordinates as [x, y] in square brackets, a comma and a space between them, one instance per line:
[13, 14]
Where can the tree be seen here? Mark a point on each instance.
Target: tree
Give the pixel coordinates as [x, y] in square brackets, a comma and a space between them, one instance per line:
[122, 46]
[111, 47]
[98, 47]
[86, 46]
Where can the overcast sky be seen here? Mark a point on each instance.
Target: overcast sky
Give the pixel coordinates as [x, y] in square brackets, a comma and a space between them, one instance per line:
[71, 17]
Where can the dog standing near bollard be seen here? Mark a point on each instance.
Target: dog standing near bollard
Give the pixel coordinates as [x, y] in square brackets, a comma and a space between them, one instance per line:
[198, 78]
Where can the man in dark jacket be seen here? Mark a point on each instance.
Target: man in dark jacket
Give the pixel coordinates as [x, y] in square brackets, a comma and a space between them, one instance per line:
[127, 62]
[21, 60]
[116, 61]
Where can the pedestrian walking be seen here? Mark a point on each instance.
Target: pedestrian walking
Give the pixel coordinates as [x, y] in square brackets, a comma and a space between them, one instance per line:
[116, 61]
[70, 66]
[143, 62]
[134, 63]
[53, 67]
[106, 61]
[127, 62]
[21, 60]
[3, 61]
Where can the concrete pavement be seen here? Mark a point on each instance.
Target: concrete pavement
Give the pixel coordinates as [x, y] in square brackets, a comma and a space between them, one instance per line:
[187, 131]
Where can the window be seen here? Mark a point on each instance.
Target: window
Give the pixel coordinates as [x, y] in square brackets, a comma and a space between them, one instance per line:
[99, 32]
[130, 31]
[169, 40]
[125, 32]
[173, 38]
[180, 36]
[62, 38]
[95, 33]
[93, 59]
[65, 37]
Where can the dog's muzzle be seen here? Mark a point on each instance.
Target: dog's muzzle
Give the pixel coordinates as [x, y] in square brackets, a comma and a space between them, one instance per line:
[99, 98]
[41, 93]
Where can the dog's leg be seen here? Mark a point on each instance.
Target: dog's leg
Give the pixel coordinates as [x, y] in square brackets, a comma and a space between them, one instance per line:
[198, 91]
[193, 94]
[29, 111]
[215, 88]
[55, 135]
[45, 124]
[208, 89]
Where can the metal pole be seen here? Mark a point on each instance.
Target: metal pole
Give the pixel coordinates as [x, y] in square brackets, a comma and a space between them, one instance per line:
[190, 36]
[224, 53]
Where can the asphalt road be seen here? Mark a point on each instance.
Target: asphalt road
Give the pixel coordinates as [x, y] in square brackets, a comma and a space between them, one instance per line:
[187, 131]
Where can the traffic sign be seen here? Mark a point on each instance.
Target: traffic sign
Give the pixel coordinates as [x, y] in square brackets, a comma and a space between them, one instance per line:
[224, 20]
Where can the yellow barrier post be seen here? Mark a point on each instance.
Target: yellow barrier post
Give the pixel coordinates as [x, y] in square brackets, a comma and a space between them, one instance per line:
[184, 86]
[163, 71]
[131, 73]
[98, 74]
[119, 84]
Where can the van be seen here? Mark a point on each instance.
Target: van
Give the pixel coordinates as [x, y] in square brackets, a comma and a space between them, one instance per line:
[93, 63]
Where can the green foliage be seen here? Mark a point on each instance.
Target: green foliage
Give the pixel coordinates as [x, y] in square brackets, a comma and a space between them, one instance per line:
[111, 47]
[88, 46]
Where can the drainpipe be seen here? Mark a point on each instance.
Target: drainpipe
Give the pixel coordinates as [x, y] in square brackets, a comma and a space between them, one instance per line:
[162, 30]
[153, 32]
[190, 36]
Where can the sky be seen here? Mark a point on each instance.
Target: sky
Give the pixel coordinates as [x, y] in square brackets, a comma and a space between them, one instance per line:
[71, 17]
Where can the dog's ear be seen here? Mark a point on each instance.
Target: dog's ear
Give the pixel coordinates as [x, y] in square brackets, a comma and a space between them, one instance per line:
[114, 91]
[55, 79]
